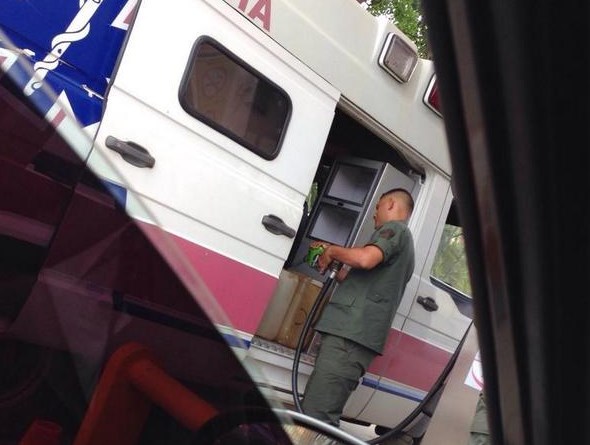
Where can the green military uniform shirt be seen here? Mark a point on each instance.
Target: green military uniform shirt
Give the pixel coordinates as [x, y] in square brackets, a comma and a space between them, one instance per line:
[363, 305]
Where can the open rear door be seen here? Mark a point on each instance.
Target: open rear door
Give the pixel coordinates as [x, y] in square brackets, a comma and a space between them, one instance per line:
[218, 131]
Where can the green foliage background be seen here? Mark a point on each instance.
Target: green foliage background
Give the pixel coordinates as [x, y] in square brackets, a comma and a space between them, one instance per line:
[450, 263]
[407, 16]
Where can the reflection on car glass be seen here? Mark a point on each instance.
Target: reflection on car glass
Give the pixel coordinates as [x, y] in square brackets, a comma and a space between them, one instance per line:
[81, 287]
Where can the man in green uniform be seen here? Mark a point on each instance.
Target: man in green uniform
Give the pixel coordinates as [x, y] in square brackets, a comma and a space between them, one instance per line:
[355, 323]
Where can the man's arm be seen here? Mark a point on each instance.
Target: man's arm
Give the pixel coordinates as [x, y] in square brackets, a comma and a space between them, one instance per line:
[365, 257]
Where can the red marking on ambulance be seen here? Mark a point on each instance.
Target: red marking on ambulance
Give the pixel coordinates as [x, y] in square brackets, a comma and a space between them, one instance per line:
[58, 118]
[242, 292]
[257, 10]
[410, 360]
[125, 17]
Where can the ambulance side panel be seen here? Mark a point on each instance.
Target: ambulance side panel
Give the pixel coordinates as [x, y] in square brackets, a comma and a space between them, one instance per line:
[208, 190]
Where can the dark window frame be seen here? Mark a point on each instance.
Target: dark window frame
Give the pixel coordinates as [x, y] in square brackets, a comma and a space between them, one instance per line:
[182, 97]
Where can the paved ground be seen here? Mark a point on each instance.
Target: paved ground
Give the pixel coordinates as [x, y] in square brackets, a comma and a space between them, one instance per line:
[362, 432]
[367, 433]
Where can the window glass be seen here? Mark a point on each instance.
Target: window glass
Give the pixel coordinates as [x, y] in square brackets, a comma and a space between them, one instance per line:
[99, 322]
[222, 91]
[450, 263]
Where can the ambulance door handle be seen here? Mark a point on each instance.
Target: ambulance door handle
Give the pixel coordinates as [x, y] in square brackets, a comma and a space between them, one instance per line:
[275, 225]
[131, 152]
[428, 303]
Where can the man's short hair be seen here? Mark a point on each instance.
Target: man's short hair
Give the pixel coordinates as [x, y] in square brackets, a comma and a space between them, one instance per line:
[404, 194]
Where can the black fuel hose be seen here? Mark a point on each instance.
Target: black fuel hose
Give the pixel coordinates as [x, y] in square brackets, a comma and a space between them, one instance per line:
[334, 268]
[398, 429]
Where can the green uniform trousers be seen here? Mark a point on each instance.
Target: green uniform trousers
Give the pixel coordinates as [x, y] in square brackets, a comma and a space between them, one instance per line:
[480, 433]
[339, 366]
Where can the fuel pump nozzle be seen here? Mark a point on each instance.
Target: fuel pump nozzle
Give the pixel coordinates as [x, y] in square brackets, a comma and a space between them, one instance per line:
[312, 260]
[334, 268]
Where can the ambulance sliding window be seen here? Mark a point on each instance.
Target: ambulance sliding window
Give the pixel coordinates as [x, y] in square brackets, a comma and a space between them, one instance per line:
[450, 263]
[449, 271]
[224, 92]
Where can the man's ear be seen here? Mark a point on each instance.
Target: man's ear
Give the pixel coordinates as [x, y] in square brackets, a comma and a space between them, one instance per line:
[391, 203]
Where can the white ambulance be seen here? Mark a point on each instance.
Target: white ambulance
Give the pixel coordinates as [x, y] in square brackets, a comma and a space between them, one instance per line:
[248, 128]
